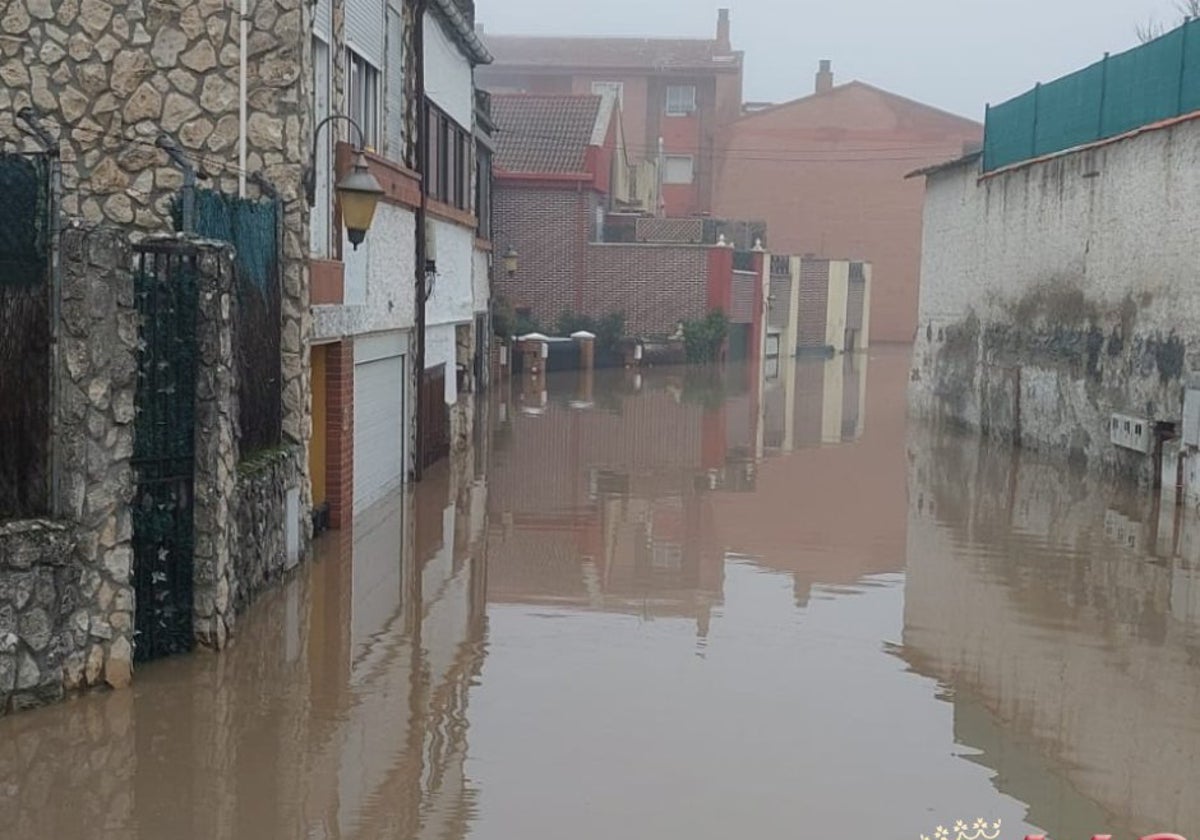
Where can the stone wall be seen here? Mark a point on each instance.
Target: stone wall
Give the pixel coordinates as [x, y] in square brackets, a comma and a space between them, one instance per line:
[216, 447]
[262, 555]
[107, 76]
[66, 603]
[1058, 293]
[39, 590]
[94, 436]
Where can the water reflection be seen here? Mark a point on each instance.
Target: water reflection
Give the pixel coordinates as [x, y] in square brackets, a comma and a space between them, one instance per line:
[339, 712]
[682, 604]
[1062, 614]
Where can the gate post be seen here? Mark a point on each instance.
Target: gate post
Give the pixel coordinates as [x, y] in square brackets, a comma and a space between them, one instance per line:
[216, 447]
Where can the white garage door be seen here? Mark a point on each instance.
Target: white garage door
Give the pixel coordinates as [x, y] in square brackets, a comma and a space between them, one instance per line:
[379, 462]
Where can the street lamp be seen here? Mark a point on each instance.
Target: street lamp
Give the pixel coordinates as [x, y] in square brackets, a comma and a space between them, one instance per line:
[357, 193]
[510, 261]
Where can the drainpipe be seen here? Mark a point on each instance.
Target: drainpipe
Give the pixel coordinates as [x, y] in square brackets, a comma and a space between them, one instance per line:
[419, 157]
[242, 96]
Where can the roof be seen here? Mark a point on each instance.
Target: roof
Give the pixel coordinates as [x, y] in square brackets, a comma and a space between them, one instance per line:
[849, 86]
[546, 133]
[965, 160]
[462, 30]
[533, 52]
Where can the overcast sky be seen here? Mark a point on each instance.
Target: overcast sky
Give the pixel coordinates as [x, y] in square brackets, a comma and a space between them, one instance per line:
[954, 54]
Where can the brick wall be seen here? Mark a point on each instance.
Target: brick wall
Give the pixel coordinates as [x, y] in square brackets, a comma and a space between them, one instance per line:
[548, 227]
[839, 190]
[655, 286]
[340, 430]
[814, 302]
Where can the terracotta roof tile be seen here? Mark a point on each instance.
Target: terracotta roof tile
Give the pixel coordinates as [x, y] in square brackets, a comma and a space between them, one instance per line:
[648, 53]
[536, 133]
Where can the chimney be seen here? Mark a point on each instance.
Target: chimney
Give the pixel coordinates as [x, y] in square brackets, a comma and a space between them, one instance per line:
[723, 30]
[825, 76]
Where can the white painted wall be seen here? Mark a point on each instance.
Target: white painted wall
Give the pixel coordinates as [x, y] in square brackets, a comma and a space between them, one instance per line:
[379, 280]
[1117, 224]
[440, 349]
[452, 300]
[480, 276]
[448, 77]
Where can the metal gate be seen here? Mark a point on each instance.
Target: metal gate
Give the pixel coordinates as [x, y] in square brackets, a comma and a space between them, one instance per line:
[163, 456]
[26, 335]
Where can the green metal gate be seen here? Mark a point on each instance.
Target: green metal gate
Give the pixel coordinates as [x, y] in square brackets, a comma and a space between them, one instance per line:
[163, 450]
[25, 335]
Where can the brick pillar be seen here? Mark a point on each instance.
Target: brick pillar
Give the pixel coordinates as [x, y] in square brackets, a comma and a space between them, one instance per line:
[339, 474]
[587, 363]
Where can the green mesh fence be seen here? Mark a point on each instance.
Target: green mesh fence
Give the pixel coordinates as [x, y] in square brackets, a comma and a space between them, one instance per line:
[1153, 82]
[252, 227]
[24, 220]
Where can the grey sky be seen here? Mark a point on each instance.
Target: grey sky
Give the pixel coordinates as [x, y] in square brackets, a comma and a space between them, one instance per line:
[954, 54]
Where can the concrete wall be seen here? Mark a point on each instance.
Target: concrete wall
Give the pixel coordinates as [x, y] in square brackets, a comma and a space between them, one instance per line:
[452, 300]
[1058, 293]
[380, 280]
[448, 77]
[825, 174]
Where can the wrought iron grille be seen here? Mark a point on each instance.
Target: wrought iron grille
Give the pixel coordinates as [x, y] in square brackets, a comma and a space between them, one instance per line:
[163, 449]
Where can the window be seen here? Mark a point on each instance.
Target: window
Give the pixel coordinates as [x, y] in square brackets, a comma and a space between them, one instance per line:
[601, 88]
[448, 163]
[483, 192]
[678, 170]
[363, 99]
[681, 100]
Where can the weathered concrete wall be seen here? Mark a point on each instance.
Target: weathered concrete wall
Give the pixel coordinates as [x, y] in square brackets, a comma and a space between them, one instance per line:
[1061, 292]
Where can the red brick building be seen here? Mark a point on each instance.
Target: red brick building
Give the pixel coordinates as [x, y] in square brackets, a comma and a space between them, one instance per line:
[685, 92]
[826, 173]
[560, 167]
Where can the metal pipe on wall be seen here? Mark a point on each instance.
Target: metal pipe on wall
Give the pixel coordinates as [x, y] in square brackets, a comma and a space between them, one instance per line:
[419, 160]
[243, 24]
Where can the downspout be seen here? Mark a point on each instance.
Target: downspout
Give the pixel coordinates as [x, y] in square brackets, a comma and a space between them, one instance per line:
[419, 159]
[242, 97]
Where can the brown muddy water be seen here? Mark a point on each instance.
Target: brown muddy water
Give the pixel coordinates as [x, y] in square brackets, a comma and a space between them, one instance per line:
[676, 606]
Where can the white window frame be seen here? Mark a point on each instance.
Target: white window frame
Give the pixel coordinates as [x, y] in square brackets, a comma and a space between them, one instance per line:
[599, 88]
[681, 100]
[666, 175]
[364, 86]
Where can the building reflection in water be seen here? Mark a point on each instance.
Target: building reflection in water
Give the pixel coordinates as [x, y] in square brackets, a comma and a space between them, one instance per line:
[1063, 617]
[338, 712]
[626, 491]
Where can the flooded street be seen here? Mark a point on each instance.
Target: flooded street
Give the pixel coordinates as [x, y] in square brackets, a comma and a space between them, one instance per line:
[671, 605]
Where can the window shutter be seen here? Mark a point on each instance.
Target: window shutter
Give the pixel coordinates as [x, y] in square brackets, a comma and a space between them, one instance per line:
[323, 20]
[365, 27]
[395, 86]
